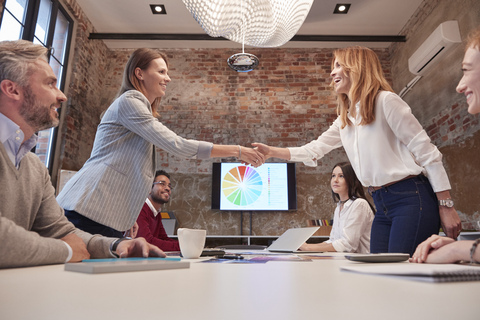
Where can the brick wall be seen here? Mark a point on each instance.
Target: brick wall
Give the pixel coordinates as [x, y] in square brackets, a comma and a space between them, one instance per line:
[89, 91]
[452, 125]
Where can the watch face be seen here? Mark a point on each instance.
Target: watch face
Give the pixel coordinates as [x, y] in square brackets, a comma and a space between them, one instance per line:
[447, 203]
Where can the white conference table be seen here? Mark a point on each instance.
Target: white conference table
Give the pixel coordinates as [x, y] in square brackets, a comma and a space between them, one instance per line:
[275, 290]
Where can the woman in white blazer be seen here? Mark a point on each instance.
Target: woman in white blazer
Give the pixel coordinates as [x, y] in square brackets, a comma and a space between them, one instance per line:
[107, 194]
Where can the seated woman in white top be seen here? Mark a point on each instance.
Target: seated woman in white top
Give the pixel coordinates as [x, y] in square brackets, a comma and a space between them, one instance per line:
[353, 217]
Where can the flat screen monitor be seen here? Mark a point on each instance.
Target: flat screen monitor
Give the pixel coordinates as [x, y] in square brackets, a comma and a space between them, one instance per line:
[270, 187]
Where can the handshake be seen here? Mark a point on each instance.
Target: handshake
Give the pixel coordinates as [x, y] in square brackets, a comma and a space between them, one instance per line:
[255, 156]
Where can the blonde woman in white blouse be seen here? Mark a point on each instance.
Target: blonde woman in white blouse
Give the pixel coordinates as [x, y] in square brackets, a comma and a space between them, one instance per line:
[389, 151]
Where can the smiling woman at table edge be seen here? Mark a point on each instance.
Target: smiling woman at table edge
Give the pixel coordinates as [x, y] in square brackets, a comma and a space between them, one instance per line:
[438, 249]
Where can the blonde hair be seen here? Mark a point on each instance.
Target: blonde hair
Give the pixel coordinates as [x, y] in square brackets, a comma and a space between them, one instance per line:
[473, 39]
[140, 58]
[363, 67]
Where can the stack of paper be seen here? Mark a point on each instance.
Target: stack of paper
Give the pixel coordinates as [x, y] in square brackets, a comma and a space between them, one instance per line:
[421, 272]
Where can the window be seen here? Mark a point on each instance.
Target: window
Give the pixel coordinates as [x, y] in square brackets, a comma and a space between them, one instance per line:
[44, 22]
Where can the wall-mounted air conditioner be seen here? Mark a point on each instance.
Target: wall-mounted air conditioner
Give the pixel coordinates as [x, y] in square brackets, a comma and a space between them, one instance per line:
[443, 38]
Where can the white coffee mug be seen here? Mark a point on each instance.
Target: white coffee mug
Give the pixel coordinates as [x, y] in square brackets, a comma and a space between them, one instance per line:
[192, 242]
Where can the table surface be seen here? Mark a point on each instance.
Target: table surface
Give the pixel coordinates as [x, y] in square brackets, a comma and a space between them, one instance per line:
[275, 290]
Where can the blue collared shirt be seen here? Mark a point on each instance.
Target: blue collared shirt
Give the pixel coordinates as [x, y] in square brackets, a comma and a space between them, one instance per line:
[11, 136]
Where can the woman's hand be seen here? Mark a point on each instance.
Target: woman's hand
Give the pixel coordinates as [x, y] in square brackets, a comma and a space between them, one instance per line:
[272, 152]
[305, 247]
[132, 232]
[429, 250]
[252, 156]
[451, 223]
[262, 148]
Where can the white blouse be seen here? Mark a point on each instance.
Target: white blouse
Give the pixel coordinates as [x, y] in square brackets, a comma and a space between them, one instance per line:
[389, 149]
[351, 227]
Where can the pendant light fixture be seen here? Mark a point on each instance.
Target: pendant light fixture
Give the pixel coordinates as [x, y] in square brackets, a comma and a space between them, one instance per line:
[271, 23]
[243, 62]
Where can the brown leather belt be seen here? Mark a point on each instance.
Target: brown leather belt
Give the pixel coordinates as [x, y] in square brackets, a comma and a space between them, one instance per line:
[372, 189]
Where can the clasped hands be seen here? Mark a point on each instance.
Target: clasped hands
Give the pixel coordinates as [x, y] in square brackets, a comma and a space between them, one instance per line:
[255, 156]
[437, 249]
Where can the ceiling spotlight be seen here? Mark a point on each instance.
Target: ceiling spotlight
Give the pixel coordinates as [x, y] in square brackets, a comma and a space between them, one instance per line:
[342, 8]
[158, 9]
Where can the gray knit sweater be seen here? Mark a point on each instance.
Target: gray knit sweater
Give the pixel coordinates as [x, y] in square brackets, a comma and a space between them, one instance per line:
[31, 221]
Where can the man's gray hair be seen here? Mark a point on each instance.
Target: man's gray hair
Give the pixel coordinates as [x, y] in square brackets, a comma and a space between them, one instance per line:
[16, 57]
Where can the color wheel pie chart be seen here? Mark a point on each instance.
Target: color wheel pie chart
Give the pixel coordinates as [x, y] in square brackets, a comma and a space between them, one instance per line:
[242, 185]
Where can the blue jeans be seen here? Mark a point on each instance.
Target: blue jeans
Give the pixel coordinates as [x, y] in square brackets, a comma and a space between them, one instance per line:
[407, 214]
[90, 226]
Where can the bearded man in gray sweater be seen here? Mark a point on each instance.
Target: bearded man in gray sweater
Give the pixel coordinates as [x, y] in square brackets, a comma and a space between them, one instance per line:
[33, 228]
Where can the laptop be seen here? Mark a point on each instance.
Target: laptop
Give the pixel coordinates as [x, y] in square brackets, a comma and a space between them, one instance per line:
[292, 239]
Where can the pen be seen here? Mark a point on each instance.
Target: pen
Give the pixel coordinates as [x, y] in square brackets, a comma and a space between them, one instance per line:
[230, 256]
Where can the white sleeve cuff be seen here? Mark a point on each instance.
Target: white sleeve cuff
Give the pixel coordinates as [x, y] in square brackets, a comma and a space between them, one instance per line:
[70, 252]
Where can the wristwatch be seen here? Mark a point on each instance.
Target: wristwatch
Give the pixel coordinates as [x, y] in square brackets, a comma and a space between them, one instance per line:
[447, 203]
[114, 245]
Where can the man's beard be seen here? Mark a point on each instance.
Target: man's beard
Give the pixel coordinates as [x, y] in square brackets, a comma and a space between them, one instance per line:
[158, 199]
[37, 116]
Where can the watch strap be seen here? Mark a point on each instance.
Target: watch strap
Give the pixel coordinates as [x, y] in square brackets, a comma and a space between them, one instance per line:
[114, 245]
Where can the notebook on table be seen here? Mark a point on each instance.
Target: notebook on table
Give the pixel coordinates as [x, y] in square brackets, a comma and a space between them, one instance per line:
[292, 239]
[126, 265]
[419, 271]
